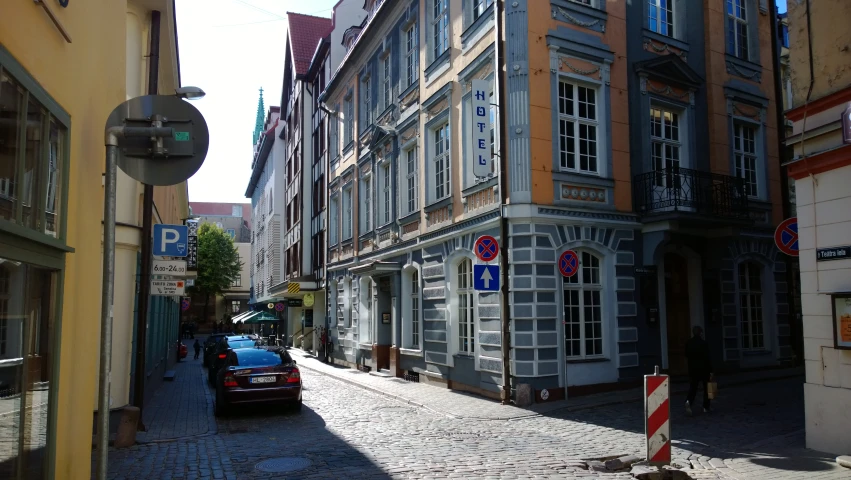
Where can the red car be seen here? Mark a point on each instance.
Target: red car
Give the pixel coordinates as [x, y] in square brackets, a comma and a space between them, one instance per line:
[263, 374]
[182, 351]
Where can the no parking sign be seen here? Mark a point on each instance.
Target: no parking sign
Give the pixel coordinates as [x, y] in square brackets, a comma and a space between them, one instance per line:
[568, 263]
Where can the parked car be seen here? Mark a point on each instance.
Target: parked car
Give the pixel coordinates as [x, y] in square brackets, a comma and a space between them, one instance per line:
[225, 344]
[258, 375]
[210, 345]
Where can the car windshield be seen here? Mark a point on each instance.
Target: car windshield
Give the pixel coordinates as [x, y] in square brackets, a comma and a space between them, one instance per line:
[241, 343]
[260, 357]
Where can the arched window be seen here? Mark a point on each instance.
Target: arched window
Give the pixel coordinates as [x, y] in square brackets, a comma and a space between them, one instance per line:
[583, 310]
[750, 306]
[415, 309]
[465, 314]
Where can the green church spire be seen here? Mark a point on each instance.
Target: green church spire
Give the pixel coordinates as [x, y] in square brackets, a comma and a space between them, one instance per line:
[261, 116]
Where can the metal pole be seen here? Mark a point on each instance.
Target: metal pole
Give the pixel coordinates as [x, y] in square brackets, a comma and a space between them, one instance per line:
[504, 305]
[106, 303]
[147, 228]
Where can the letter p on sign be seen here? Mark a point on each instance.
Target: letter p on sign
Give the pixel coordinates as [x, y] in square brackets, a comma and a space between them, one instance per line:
[170, 240]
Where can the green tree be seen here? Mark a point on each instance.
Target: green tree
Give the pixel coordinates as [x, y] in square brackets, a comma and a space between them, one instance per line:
[218, 263]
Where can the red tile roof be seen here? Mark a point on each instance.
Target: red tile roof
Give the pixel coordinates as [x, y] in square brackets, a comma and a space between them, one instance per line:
[222, 209]
[305, 31]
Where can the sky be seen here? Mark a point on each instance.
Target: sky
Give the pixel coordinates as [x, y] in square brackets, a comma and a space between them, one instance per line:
[231, 48]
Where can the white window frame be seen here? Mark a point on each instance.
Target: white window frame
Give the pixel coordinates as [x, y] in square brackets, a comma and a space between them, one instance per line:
[366, 101]
[578, 284]
[478, 8]
[387, 81]
[737, 23]
[411, 55]
[743, 155]
[751, 302]
[367, 209]
[339, 295]
[412, 324]
[349, 120]
[669, 146]
[441, 162]
[366, 286]
[386, 186]
[464, 307]
[347, 213]
[409, 184]
[438, 37]
[578, 122]
[663, 27]
[354, 300]
[333, 220]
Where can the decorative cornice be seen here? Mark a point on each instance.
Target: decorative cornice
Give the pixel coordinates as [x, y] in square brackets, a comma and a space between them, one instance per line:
[565, 63]
[570, 18]
[664, 48]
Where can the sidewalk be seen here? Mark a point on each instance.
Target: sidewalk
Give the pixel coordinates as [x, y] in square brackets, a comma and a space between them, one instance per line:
[468, 406]
[180, 408]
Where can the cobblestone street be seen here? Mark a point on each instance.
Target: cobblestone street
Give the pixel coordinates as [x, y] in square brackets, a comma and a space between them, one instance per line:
[346, 431]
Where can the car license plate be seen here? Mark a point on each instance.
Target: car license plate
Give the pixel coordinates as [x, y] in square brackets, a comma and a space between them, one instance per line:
[263, 379]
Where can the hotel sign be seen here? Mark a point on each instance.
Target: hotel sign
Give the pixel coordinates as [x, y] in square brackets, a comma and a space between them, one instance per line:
[481, 123]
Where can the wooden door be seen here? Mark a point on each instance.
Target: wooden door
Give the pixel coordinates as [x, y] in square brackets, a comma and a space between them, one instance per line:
[677, 311]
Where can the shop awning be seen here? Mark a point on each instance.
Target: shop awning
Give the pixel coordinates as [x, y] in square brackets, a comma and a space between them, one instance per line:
[243, 317]
[261, 317]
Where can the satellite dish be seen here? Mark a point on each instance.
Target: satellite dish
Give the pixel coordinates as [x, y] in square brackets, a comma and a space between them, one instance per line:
[182, 153]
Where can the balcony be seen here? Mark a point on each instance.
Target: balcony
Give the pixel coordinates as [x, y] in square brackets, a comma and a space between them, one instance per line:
[683, 192]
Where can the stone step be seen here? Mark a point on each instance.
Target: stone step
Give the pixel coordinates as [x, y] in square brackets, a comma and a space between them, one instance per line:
[380, 373]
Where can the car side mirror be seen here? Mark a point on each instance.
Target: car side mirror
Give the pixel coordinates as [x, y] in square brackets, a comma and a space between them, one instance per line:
[294, 362]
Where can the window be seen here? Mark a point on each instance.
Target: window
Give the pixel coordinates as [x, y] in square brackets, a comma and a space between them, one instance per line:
[583, 311]
[353, 305]
[466, 324]
[415, 309]
[737, 28]
[661, 16]
[386, 183]
[333, 221]
[583, 2]
[347, 213]
[744, 151]
[269, 200]
[411, 184]
[32, 156]
[439, 28]
[412, 54]
[441, 161]
[340, 291]
[234, 306]
[665, 145]
[348, 121]
[231, 232]
[333, 140]
[386, 86]
[479, 7]
[237, 282]
[366, 96]
[577, 108]
[366, 203]
[750, 305]
[236, 211]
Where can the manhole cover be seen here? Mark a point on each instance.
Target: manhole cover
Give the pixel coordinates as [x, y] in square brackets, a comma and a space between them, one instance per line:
[283, 465]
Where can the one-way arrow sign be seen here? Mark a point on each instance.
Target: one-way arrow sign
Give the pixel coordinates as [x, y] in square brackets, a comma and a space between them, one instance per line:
[486, 278]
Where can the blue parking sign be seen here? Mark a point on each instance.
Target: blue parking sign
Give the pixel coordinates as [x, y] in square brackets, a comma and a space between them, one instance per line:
[170, 240]
[486, 278]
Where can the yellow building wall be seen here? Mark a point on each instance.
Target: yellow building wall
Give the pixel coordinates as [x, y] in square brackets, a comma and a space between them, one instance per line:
[86, 78]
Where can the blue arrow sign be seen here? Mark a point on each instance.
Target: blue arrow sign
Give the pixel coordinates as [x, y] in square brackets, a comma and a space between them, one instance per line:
[486, 278]
[170, 240]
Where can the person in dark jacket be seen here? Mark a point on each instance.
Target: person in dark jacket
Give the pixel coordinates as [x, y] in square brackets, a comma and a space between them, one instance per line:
[197, 347]
[699, 368]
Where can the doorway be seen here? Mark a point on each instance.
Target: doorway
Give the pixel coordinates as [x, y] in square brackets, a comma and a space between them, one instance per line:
[678, 311]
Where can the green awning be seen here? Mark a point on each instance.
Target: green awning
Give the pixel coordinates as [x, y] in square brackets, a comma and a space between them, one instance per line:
[239, 317]
[247, 317]
[261, 317]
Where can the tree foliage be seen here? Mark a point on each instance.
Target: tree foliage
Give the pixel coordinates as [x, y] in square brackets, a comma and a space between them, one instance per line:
[218, 261]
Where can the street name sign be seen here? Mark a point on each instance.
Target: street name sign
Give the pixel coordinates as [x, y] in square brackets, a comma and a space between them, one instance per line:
[486, 278]
[168, 288]
[833, 253]
[175, 268]
[170, 240]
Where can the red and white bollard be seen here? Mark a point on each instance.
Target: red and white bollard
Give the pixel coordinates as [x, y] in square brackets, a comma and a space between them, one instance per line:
[657, 415]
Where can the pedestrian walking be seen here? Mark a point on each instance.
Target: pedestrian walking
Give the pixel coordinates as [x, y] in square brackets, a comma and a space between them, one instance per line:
[699, 369]
[197, 347]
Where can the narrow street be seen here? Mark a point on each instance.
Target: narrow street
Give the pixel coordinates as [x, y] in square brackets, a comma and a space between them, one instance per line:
[346, 431]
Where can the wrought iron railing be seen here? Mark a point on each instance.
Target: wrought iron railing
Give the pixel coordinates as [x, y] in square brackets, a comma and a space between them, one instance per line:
[677, 189]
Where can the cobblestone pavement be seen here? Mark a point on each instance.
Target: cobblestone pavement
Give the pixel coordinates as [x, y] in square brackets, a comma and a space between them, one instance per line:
[345, 431]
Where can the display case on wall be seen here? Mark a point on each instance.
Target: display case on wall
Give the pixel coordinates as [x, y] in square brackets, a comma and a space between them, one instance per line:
[841, 303]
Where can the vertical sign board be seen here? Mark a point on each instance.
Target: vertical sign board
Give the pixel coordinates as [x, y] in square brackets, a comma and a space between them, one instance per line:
[192, 246]
[657, 413]
[481, 129]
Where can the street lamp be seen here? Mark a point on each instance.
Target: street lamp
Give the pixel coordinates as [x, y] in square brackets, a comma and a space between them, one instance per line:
[189, 93]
